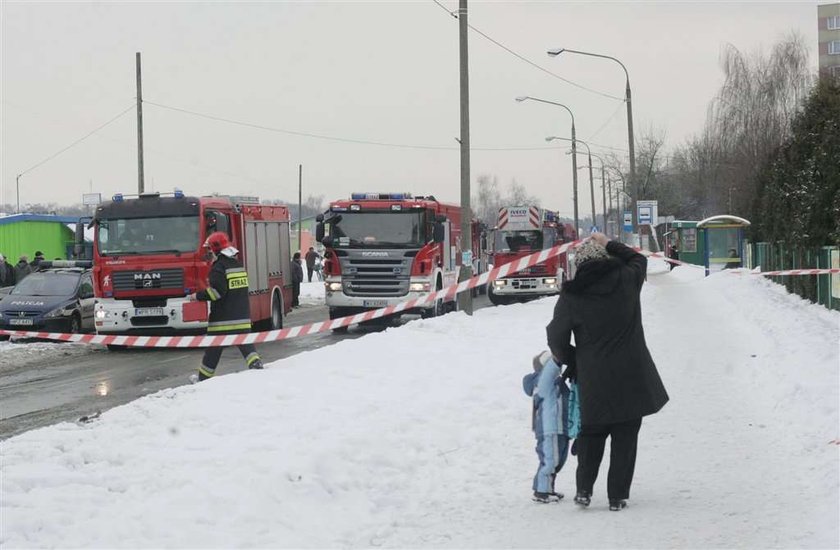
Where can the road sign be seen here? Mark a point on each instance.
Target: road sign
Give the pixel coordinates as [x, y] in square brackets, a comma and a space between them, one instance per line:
[628, 222]
[647, 212]
[91, 199]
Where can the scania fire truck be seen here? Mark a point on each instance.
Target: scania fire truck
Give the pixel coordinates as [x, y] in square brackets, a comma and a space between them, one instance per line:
[520, 231]
[386, 248]
[149, 257]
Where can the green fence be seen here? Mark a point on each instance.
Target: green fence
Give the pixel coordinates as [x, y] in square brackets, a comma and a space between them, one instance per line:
[821, 289]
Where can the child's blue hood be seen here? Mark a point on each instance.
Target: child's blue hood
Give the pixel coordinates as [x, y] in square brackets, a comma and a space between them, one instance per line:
[529, 381]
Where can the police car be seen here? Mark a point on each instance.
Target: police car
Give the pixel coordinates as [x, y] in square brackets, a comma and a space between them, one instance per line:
[57, 298]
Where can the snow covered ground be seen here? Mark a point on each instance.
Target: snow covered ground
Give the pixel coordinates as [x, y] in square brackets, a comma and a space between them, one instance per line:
[418, 436]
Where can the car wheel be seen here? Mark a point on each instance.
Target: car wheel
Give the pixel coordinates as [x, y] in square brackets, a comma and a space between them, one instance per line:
[75, 324]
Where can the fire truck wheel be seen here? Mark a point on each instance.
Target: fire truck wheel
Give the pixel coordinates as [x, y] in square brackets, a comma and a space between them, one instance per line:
[438, 310]
[337, 315]
[495, 299]
[276, 319]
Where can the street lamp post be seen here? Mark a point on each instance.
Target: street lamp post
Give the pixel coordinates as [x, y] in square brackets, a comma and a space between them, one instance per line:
[627, 99]
[574, 156]
[17, 191]
[591, 183]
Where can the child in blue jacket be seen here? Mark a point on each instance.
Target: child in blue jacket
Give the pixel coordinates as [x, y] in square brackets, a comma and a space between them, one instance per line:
[555, 420]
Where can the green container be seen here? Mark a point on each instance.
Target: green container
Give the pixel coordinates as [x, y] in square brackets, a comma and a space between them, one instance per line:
[24, 234]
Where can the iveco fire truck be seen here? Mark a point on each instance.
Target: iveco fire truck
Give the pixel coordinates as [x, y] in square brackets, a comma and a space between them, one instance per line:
[149, 257]
[386, 248]
[520, 231]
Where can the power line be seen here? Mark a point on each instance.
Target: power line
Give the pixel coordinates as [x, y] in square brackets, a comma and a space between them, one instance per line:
[604, 125]
[81, 139]
[297, 133]
[528, 61]
[336, 138]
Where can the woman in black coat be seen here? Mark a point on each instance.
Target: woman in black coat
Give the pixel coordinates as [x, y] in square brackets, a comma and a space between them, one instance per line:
[618, 381]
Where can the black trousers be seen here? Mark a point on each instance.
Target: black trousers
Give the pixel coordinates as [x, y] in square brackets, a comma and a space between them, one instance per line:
[212, 355]
[295, 294]
[309, 271]
[590, 449]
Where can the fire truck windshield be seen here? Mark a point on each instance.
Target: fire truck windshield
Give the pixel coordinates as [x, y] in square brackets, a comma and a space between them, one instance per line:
[378, 229]
[121, 236]
[516, 241]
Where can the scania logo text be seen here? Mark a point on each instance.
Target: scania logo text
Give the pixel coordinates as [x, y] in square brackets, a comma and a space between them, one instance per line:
[374, 253]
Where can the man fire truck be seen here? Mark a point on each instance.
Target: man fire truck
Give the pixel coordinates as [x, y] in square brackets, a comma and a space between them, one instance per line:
[520, 231]
[387, 248]
[148, 258]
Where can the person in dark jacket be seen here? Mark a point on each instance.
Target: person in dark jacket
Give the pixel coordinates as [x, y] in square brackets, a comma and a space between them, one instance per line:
[297, 278]
[674, 254]
[311, 257]
[618, 381]
[36, 261]
[22, 269]
[230, 311]
[7, 273]
[734, 262]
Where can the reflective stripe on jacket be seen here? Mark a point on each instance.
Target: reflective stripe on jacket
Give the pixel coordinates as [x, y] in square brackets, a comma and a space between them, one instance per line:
[230, 311]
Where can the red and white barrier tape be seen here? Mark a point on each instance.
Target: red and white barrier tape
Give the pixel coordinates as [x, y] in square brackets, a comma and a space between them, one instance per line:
[788, 272]
[446, 294]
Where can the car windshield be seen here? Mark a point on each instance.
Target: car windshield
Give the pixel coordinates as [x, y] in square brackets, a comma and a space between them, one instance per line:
[378, 229]
[47, 284]
[147, 235]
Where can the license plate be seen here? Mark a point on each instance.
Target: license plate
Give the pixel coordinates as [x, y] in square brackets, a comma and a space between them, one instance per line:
[20, 321]
[148, 311]
[375, 303]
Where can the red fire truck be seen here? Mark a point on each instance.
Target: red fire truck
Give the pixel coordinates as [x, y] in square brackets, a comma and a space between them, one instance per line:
[386, 248]
[520, 231]
[148, 257]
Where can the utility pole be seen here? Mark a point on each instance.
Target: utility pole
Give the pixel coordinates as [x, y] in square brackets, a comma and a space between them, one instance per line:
[603, 197]
[591, 189]
[465, 299]
[17, 192]
[630, 141]
[300, 207]
[140, 185]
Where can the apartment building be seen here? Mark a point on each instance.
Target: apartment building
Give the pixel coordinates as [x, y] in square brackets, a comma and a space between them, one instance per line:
[828, 17]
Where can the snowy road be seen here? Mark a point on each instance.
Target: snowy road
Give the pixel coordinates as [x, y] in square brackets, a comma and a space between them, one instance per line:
[45, 383]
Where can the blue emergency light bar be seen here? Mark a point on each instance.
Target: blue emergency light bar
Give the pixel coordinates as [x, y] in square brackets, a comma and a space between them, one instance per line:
[380, 196]
[177, 193]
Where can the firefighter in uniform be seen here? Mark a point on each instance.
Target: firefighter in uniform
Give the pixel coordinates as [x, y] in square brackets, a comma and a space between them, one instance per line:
[230, 312]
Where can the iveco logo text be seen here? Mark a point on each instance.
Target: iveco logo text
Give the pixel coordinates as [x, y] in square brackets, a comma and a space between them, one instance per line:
[375, 254]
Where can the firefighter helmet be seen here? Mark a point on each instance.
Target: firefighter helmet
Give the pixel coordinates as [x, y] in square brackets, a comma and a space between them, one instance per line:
[217, 242]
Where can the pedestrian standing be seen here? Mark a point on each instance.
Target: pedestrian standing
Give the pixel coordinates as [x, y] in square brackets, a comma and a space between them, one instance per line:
[617, 379]
[230, 311]
[311, 258]
[297, 278]
[674, 254]
[22, 269]
[36, 261]
[7, 272]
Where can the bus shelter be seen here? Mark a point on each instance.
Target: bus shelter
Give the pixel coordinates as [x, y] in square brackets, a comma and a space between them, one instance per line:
[723, 242]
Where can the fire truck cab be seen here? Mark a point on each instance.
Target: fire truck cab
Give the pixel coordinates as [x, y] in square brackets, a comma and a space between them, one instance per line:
[386, 248]
[520, 231]
[149, 257]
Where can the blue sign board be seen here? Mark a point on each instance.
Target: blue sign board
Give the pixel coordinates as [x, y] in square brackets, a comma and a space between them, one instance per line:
[628, 221]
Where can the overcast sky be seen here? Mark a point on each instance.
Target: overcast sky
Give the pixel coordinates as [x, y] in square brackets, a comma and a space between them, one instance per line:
[384, 72]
